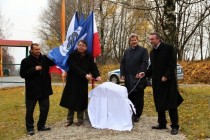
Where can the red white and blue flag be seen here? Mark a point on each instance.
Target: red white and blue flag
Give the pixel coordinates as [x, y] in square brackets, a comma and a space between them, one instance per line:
[78, 29]
[58, 54]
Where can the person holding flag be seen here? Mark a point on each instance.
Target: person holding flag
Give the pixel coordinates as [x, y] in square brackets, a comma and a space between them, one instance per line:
[82, 69]
[77, 72]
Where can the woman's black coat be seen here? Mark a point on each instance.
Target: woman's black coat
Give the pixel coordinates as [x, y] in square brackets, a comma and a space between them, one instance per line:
[75, 94]
[163, 63]
[37, 83]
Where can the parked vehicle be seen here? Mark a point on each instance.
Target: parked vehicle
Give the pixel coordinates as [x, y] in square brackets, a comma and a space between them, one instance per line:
[114, 76]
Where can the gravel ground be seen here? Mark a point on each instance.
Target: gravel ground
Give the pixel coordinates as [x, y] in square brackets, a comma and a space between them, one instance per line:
[141, 131]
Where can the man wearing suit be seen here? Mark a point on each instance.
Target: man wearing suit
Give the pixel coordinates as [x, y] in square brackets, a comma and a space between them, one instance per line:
[134, 61]
[164, 82]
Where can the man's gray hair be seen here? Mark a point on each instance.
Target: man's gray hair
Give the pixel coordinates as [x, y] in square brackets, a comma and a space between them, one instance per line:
[133, 35]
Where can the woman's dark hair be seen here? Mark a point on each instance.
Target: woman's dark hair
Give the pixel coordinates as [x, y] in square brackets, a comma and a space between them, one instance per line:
[83, 41]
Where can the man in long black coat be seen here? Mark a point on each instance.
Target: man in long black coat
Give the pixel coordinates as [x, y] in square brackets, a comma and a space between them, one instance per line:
[134, 61]
[75, 95]
[164, 82]
[35, 70]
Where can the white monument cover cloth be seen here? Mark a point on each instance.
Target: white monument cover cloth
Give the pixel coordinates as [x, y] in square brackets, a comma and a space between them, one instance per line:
[110, 108]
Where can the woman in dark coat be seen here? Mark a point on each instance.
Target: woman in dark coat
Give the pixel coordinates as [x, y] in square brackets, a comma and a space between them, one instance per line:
[164, 82]
[75, 95]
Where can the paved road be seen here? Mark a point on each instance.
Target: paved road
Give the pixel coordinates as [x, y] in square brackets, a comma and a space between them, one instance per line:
[18, 81]
[11, 81]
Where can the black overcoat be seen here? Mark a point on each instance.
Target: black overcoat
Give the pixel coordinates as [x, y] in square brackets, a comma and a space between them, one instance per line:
[163, 63]
[75, 94]
[37, 83]
[133, 62]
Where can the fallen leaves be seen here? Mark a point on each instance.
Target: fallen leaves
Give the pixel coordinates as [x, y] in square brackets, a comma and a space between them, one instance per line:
[196, 72]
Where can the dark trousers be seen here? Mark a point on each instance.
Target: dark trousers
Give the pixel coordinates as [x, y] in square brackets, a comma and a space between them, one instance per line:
[44, 104]
[137, 98]
[70, 115]
[173, 114]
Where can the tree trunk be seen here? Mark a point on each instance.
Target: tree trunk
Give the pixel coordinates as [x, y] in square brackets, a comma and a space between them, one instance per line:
[101, 29]
[79, 7]
[169, 22]
[179, 54]
[201, 41]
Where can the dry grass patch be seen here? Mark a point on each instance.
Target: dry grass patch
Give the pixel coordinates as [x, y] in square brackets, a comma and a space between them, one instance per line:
[12, 108]
[194, 112]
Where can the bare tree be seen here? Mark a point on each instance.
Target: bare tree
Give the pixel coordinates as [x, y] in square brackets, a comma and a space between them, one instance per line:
[7, 59]
[201, 35]
[50, 25]
[5, 25]
[207, 29]
[177, 21]
[190, 18]
[117, 21]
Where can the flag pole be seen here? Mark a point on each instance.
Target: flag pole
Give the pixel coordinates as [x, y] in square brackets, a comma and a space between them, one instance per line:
[63, 9]
[93, 81]
[62, 21]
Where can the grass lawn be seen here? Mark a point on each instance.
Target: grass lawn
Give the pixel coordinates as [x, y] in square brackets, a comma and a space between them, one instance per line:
[194, 112]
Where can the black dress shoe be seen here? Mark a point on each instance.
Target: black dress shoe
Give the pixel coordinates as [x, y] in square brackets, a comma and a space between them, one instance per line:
[69, 123]
[44, 128]
[30, 132]
[159, 127]
[174, 131]
[79, 123]
[136, 119]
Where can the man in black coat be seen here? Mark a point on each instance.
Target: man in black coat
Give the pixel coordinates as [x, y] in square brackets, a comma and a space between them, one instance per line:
[82, 69]
[164, 82]
[35, 70]
[134, 61]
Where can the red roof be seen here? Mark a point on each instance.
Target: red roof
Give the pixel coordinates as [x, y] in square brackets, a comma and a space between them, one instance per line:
[15, 43]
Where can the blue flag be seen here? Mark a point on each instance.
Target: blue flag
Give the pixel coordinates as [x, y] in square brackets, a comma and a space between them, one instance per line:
[81, 30]
[58, 54]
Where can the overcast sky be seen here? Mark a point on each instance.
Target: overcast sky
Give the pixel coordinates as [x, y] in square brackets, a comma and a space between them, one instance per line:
[23, 16]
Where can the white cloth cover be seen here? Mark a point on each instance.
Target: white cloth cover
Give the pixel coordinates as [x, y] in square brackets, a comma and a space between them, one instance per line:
[110, 108]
